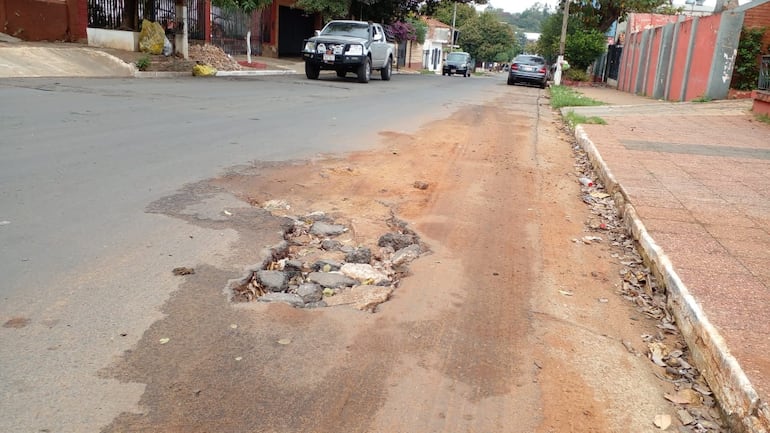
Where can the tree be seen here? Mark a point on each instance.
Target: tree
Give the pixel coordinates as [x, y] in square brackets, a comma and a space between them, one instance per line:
[529, 20]
[583, 45]
[444, 12]
[600, 14]
[246, 6]
[328, 9]
[486, 39]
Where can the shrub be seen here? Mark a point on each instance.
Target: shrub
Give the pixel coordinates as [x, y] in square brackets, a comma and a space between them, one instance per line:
[746, 70]
[576, 74]
[142, 63]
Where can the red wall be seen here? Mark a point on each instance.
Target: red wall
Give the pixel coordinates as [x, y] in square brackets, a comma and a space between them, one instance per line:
[657, 38]
[680, 55]
[45, 20]
[702, 56]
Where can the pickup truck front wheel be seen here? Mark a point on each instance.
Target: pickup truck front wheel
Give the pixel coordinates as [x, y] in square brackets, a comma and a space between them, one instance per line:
[312, 71]
[365, 71]
[387, 71]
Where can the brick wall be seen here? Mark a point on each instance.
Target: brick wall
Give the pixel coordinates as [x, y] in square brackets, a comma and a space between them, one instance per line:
[759, 16]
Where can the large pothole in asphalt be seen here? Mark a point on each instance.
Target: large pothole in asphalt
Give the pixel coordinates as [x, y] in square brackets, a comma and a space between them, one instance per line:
[312, 267]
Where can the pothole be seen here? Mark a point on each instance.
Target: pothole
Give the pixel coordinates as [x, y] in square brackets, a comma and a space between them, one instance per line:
[314, 267]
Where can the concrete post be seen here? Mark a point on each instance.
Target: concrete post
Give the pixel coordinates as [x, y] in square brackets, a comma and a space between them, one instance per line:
[725, 52]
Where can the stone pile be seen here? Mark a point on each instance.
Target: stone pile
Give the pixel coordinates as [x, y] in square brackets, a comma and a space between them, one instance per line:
[213, 56]
[311, 268]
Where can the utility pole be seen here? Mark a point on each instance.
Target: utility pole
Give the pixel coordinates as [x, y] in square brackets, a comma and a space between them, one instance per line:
[562, 42]
[452, 36]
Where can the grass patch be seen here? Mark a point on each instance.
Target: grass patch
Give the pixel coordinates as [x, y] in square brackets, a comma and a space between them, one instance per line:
[702, 98]
[143, 62]
[563, 96]
[764, 118]
[574, 119]
[427, 72]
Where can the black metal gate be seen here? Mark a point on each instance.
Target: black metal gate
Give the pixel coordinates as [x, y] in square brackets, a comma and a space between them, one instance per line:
[229, 29]
[614, 52]
[128, 15]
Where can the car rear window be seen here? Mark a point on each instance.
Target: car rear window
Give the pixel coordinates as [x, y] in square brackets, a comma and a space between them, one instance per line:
[529, 59]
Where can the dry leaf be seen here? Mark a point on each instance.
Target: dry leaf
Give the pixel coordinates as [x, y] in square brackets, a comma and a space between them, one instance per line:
[684, 396]
[662, 421]
[164, 340]
[657, 352]
[566, 293]
[685, 417]
[284, 341]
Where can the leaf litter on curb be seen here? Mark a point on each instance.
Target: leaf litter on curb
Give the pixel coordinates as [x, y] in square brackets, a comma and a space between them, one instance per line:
[691, 398]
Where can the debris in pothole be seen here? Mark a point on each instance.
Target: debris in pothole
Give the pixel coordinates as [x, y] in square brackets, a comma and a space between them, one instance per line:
[183, 271]
[317, 266]
[697, 410]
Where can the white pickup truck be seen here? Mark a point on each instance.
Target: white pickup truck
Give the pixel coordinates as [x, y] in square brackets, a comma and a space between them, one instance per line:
[349, 46]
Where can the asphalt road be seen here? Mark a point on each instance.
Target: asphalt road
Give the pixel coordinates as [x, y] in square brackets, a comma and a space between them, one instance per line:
[85, 267]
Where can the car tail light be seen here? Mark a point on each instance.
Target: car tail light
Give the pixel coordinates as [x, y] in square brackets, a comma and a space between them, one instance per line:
[515, 67]
[542, 70]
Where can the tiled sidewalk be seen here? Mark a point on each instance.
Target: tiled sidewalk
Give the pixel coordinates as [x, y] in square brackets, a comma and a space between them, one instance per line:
[698, 177]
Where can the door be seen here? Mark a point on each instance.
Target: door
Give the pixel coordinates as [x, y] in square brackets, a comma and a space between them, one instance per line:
[294, 26]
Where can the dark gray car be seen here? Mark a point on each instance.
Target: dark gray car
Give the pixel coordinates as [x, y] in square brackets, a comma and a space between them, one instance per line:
[458, 63]
[527, 68]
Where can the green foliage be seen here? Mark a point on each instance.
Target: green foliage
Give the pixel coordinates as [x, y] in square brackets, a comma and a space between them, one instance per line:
[764, 118]
[563, 96]
[702, 98]
[328, 9]
[247, 6]
[573, 119]
[420, 28]
[486, 39]
[582, 46]
[600, 14]
[530, 20]
[746, 69]
[445, 10]
[576, 75]
[142, 63]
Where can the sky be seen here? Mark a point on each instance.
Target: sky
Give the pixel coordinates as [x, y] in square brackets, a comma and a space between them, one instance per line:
[514, 6]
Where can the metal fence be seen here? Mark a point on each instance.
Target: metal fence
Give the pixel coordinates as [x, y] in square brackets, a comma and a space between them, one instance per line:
[229, 29]
[764, 74]
[128, 15]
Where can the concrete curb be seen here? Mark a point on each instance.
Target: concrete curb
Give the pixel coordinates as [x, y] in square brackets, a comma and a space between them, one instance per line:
[254, 73]
[744, 410]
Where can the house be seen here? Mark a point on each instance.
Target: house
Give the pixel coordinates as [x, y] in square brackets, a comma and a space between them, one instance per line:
[430, 54]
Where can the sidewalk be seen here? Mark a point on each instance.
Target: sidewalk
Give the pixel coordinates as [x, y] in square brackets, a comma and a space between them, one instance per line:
[695, 178]
[49, 59]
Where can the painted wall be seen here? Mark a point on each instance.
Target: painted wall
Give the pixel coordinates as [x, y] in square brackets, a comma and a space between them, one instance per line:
[45, 20]
[693, 58]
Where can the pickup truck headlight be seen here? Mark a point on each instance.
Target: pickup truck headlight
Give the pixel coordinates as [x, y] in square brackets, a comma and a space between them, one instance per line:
[309, 46]
[321, 48]
[355, 50]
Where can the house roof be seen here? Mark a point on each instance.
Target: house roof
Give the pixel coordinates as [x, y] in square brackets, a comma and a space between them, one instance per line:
[432, 23]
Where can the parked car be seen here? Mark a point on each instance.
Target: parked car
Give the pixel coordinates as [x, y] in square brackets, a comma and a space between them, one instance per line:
[458, 62]
[349, 46]
[527, 68]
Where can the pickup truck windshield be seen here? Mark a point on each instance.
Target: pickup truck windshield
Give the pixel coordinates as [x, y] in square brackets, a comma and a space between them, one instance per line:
[357, 30]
